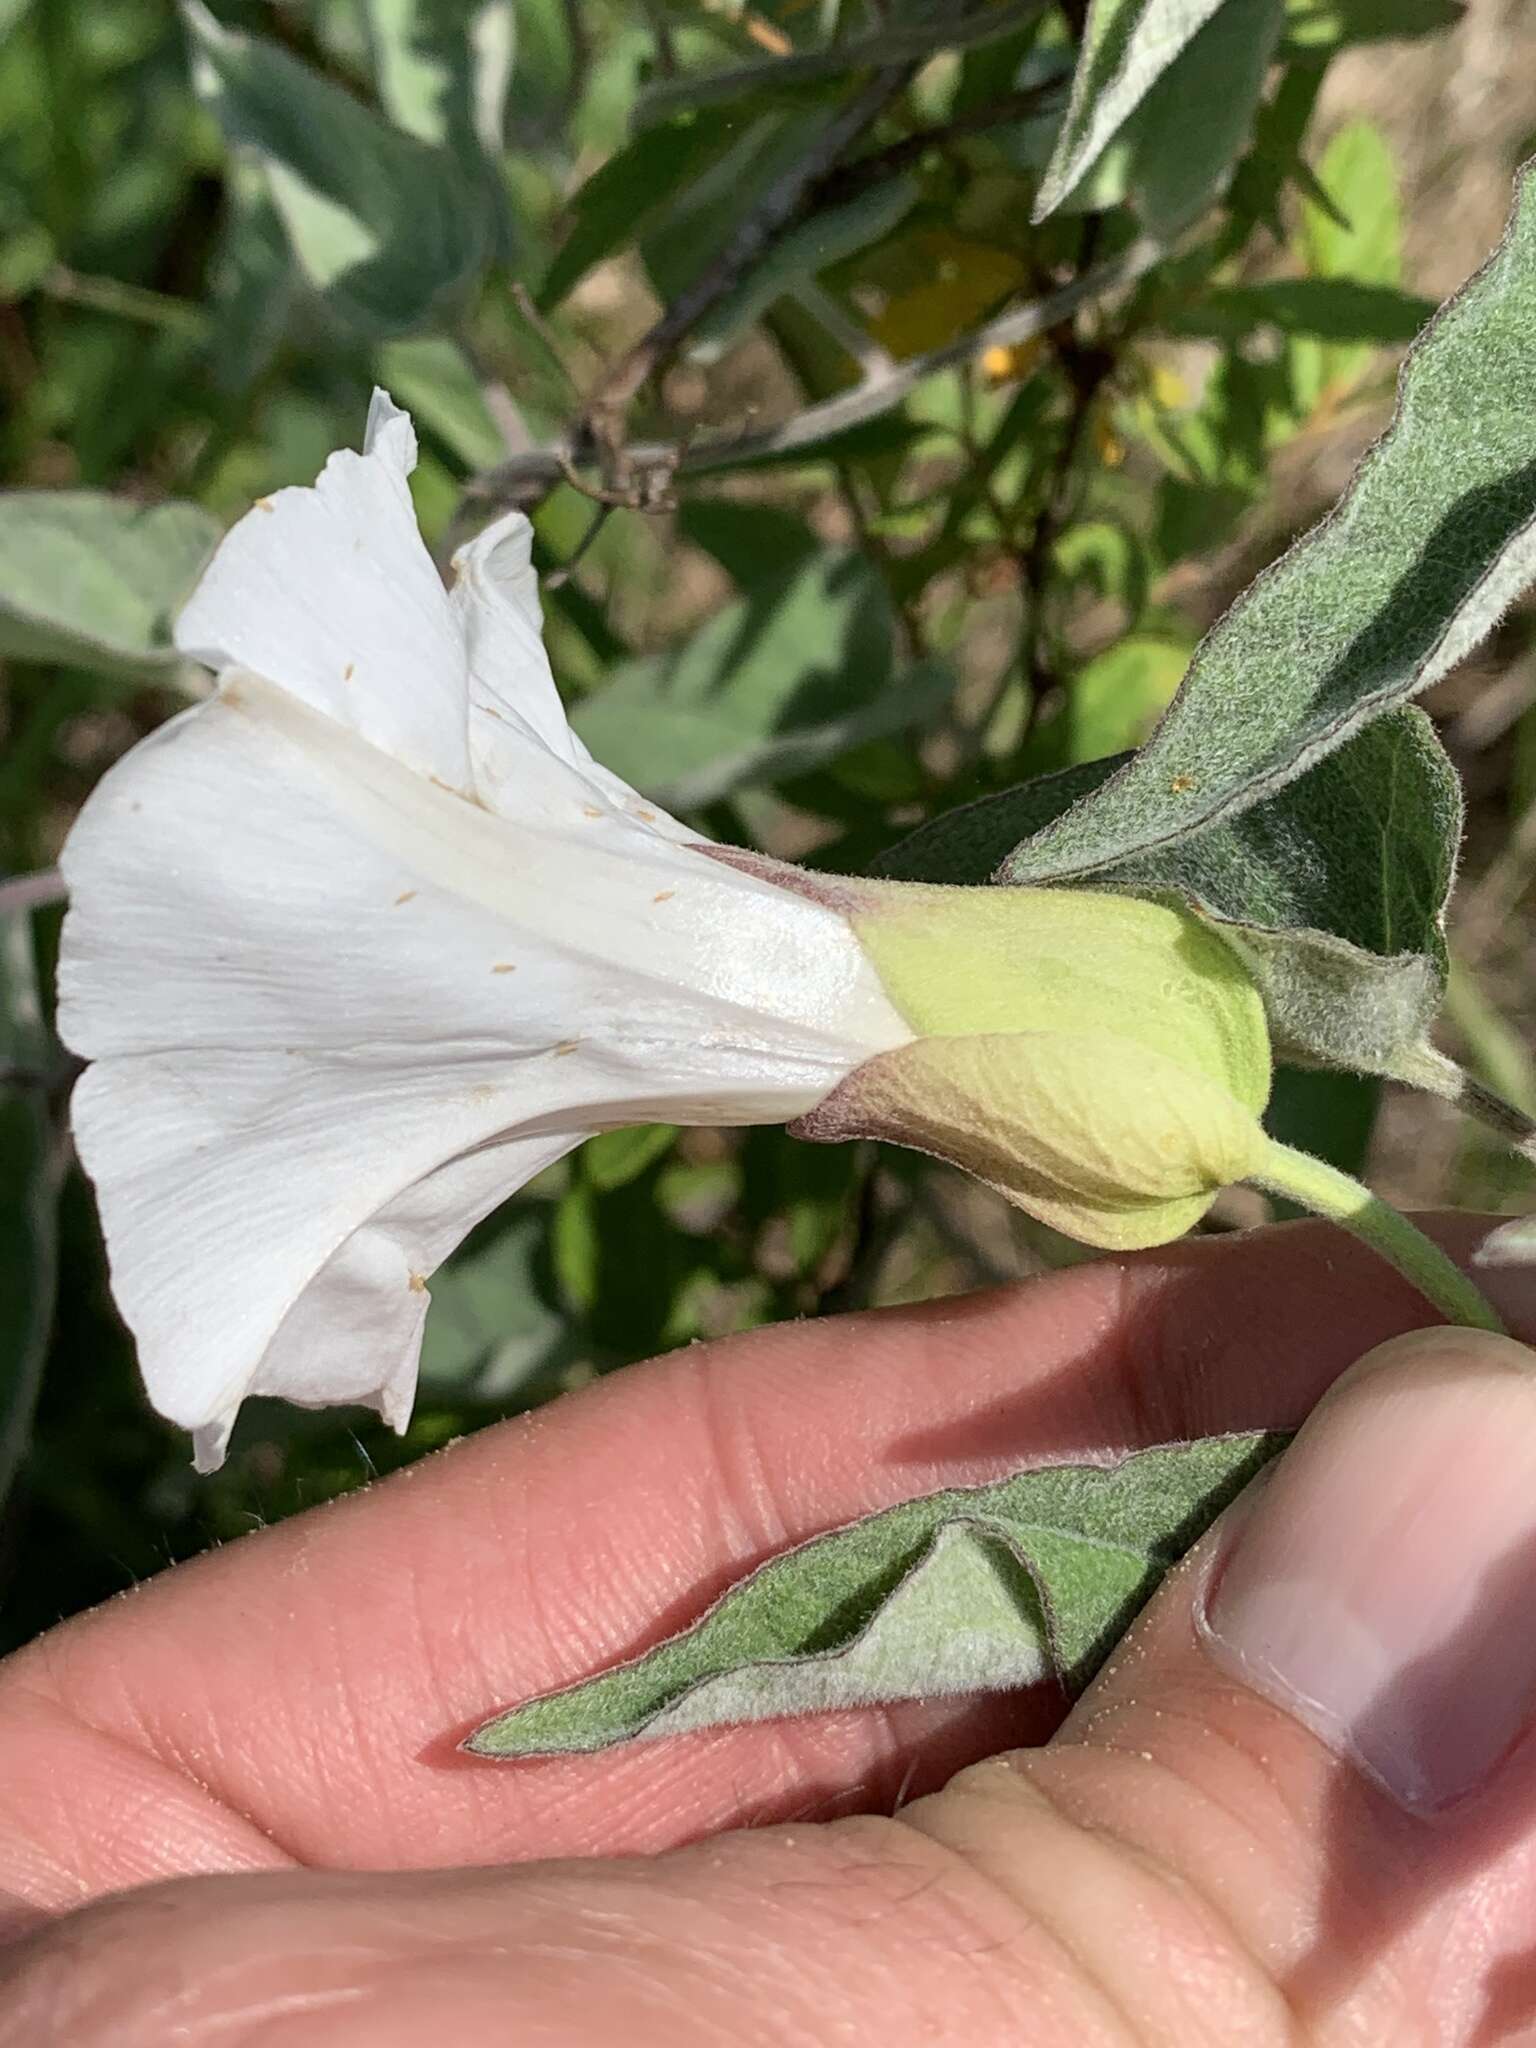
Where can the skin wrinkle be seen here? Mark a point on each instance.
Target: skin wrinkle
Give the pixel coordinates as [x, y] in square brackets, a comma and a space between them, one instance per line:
[760, 1523]
[1029, 1926]
[1235, 1813]
[170, 1779]
[1203, 1901]
[1017, 1869]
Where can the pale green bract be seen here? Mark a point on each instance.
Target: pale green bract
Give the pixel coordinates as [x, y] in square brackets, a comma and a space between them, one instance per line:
[1334, 891]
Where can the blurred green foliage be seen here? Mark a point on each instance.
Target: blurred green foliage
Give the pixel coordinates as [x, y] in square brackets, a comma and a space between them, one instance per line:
[847, 551]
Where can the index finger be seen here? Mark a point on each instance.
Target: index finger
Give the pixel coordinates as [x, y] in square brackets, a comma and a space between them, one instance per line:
[296, 1696]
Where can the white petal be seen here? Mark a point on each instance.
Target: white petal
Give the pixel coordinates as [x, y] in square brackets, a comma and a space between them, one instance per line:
[512, 694]
[338, 1011]
[357, 1327]
[332, 593]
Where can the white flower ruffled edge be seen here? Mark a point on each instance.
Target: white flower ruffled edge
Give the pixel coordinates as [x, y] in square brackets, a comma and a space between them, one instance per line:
[366, 940]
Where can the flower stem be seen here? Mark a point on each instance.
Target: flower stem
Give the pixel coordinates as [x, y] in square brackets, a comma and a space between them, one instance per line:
[1316, 1185]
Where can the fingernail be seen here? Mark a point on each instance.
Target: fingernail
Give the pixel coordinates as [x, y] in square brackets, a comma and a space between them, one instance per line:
[1382, 1585]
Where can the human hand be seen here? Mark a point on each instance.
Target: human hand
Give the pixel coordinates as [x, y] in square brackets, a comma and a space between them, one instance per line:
[1184, 1861]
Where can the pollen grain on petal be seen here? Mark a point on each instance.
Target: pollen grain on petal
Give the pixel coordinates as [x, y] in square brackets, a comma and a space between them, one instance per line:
[566, 1047]
[504, 967]
[405, 896]
[646, 817]
[265, 505]
[465, 796]
[663, 895]
[349, 672]
[590, 811]
[418, 1283]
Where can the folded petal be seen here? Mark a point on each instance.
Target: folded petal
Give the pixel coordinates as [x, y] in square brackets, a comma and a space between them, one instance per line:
[331, 592]
[338, 1011]
[515, 712]
[357, 1327]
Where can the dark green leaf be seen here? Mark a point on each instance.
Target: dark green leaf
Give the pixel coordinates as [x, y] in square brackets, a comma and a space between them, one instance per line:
[614, 1158]
[253, 281]
[631, 190]
[1330, 1115]
[704, 211]
[1184, 139]
[1435, 537]
[1315, 27]
[1127, 45]
[791, 78]
[94, 580]
[806, 249]
[433, 379]
[1351, 229]
[443, 68]
[973, 1589]
[489, 1330]
[1328, 308]
[1116, 700]
[385, 230]
[743, 536]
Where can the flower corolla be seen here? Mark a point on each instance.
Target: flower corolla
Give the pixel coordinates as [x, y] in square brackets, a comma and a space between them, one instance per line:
[364, 941]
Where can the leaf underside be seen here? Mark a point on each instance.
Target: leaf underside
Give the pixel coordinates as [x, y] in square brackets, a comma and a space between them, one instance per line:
[971, 1589]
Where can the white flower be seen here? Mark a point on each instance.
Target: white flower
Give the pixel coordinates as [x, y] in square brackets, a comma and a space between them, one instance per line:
[367, 939]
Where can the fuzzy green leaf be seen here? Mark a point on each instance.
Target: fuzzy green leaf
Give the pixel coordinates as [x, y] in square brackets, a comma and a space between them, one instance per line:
[1334, 891]
[96, 580]
[1435, 537]
[973, 1589]
[1127, 46]
[774, 685]
[385, 230]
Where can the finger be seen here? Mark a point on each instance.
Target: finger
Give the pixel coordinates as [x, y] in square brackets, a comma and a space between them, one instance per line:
[297, 1695]
[1312, 1762]
[1299, 1807]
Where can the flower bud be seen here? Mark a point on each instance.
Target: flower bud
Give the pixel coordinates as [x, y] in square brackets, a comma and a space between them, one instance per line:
[1100, 1060]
